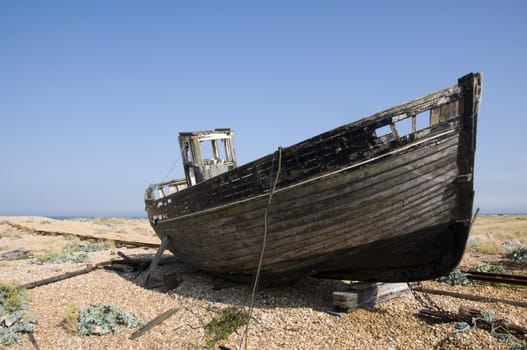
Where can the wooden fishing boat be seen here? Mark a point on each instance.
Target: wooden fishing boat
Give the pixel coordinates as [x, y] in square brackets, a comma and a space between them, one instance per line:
[386, 198]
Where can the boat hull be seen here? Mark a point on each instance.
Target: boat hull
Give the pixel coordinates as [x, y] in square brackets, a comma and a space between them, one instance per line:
[399, 211]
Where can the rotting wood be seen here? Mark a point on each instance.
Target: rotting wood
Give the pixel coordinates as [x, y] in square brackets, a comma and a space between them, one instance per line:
[119, 268]
[345, 198]
[409, 183]
[16, 254]
[145, 276]
[199, 168]
[349, 143]
[471, 297]
[367, 295]
[64, 276]
[496, 278]
[118, 242]
[118, 265]
[33, 340]
[414, 185]
[157, 320]
[142, 261]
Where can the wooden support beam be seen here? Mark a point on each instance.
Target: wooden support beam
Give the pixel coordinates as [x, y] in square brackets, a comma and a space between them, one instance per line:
[367, 295]
[141, 261]
[395, 133]
[144, 277]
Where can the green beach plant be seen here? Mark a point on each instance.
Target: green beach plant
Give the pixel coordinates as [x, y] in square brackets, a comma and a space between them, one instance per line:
[519, 254]
[455, 277]
[221, 327]
[101, 319]
[14, 316]
[488, 269]
[75, 252]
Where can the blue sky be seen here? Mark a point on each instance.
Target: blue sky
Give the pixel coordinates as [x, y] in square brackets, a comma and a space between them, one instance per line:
[94, 93]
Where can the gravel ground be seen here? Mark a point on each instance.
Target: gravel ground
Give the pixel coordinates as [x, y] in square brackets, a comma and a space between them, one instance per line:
[286, 316]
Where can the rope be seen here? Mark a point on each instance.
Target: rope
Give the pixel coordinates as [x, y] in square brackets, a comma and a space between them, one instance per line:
[264, 241]
[172, 168]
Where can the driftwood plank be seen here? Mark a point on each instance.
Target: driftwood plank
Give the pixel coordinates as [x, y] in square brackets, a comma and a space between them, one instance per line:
[64, 276]
[33, 341]
[367, 295]
[160, 318]
[119, 242]
[471, 297]
[16, 254]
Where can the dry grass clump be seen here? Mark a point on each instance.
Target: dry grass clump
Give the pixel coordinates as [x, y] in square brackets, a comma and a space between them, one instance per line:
[50, 256]
[102, 220]
[498, 234]
[489, 247]
[74, 252]
[108, 221]
[70, 322]
[502, 227]
[107, 244]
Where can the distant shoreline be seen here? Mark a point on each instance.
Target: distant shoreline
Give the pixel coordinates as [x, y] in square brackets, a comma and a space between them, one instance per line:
[69, 217]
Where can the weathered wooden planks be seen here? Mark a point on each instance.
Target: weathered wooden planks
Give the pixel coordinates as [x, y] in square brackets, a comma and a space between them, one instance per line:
[151, 324]
[343, 196]
[367, 295]
[321, 216]
[64, 276]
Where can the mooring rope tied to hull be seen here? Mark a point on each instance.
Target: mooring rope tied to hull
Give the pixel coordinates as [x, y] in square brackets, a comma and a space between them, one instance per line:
[264, 241]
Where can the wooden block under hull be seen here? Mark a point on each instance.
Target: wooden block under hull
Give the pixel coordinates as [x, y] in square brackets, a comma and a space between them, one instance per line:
[367, 295]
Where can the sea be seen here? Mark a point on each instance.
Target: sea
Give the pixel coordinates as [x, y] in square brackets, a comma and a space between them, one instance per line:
[69, 217]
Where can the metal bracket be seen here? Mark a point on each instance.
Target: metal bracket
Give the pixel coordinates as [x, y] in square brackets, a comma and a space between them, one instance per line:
[462, 178]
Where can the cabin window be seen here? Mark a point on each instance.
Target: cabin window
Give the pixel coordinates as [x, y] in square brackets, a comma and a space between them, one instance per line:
[422, 120]
[206, 150]
[188, 152]
[217, 151]
[383, 131]
[404, 127]
[207, 154]
[404, 124]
